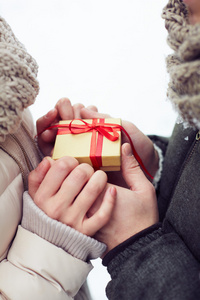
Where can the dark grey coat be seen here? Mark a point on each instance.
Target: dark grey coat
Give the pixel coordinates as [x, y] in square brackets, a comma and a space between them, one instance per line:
[163, 261]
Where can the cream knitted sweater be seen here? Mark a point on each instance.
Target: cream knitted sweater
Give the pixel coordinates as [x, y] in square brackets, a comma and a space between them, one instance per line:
[18, 90]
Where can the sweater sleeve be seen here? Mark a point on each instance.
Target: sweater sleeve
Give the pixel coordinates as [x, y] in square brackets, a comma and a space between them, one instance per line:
[160, 167]
[75, 243]
[154, 264]
[160, 145]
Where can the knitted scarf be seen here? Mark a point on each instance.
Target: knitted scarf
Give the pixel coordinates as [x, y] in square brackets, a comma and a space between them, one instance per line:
[18, 84]
[184, 64]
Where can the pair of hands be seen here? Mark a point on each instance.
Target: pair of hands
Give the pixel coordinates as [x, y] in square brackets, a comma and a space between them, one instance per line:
[65, 111]
[83, 199]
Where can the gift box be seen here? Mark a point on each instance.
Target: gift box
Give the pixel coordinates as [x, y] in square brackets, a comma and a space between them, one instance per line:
[94, 141]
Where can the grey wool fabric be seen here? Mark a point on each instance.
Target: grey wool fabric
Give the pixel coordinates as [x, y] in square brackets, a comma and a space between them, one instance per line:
[184, 64]
[163, 261]
[18, 84]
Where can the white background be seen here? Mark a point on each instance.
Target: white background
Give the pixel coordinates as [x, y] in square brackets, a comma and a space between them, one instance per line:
[110, 53]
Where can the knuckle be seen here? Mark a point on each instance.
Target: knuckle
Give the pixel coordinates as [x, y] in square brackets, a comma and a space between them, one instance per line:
[32, 179]
[38, 199]
[54, 212]
[71, 219]
[62, 164]
[63, 100]
[65, 163]
[86, 231]
[70, 222]
[78, 106]
[83, 172]
[93, 108]
[31, 176]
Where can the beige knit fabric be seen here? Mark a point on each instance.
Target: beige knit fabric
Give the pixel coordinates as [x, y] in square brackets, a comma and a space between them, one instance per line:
[184, 64]
[18, 84]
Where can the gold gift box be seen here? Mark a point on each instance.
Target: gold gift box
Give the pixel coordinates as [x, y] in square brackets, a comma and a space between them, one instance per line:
[78, 145]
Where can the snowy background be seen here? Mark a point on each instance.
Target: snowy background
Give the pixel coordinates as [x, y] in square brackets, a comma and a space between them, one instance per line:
[110, 53]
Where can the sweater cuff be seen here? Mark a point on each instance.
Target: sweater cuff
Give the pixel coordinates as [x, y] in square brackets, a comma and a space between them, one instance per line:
[142, 238]
[75, 243]
[160, 168]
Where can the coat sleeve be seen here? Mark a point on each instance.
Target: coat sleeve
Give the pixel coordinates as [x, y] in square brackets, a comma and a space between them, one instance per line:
[160, 141]
[153, 265]
[29, 273]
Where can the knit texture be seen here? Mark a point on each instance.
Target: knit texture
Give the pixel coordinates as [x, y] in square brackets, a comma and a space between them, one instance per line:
[158, 174]
[18, 84]
[184, 64]
[75, 243]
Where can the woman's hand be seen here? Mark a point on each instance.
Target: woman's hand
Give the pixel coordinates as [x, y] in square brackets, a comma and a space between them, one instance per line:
[63, 110]
[73, 194]
[65, 191]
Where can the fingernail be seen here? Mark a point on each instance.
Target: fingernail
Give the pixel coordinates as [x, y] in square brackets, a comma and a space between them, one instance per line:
[113, 191]
[127, 150]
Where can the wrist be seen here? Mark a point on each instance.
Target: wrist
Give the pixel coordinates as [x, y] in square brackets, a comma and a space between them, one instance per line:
[59, 234]
[137, 241]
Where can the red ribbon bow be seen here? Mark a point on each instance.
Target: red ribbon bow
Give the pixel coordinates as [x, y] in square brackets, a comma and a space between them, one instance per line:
[108, 130]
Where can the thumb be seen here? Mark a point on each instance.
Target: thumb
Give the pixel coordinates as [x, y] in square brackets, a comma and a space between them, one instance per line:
[36, 176]
[131, 171]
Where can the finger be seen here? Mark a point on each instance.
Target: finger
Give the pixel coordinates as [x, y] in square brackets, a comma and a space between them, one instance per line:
[90, 114]
[77, 110]
[36, 176]
[46, 120]
[74, 183]
[103, 215]
[46, 138]
[91, 191]
[54, 178]
[46, 142]
[132, 173]
[60, 206]
[65, 109]
[92, 107]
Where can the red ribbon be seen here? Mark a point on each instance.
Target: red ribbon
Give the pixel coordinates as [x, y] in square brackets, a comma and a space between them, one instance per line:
[108, 130]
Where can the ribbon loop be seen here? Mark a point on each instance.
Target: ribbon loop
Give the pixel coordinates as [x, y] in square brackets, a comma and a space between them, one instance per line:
[107, 130]
[102, 128]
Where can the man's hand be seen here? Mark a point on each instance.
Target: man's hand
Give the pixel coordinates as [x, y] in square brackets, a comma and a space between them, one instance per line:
[142, 144]
[135, 208]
